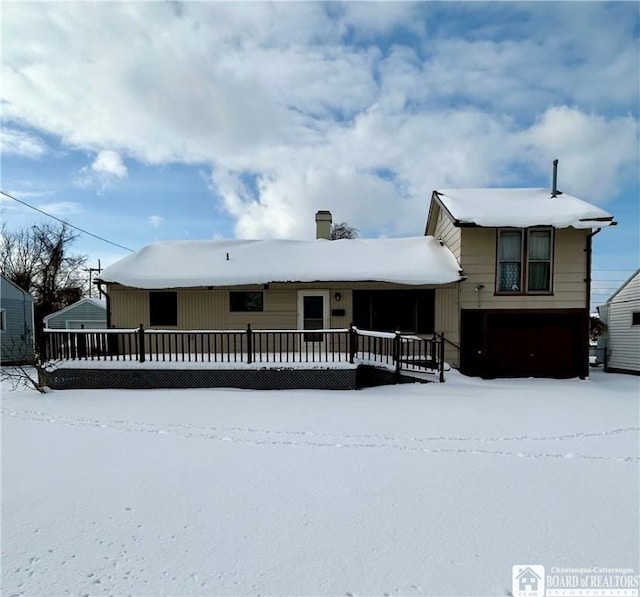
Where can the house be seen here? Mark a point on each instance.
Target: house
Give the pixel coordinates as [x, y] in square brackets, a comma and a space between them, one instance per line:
[502, 273]
[16, 323]
[87, 313]
[525, 256]
[381, 284]
[621, 342]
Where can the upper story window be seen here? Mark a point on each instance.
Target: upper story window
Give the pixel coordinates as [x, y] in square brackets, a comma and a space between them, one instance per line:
[635, 318]
[3, 323]
[246, 301]
[163, 308]
[524, 260]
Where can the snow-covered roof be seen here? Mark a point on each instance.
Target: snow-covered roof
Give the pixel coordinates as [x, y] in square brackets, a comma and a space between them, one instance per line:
[521, 208]
[179, 264]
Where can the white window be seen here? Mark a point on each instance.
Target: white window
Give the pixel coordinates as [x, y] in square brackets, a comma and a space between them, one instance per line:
[510, 261]
[524, 260]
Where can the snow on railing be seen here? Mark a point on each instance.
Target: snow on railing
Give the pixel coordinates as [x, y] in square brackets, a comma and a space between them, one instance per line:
[393, 350]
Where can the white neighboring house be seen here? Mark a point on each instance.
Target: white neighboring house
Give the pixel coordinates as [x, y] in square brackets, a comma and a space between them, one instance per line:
[87, 313]
[621, 313]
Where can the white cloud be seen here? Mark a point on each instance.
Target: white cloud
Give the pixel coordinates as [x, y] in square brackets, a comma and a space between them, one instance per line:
[370, 19]
[290, 118]
[110, 163]
[593, 151]
[106, 168]
[155, 221]
[62, 208]
[16, 142]
[30, 194]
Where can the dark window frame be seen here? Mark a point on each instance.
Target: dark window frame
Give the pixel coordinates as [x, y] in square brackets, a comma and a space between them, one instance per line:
[163, 308]
[525, 260]
[241, 302]
[635, 317]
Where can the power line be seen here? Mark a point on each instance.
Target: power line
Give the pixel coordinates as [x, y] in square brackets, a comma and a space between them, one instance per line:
[65, 222]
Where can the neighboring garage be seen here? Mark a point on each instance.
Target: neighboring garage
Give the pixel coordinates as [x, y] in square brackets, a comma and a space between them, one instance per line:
[525, 343]
[87, 313]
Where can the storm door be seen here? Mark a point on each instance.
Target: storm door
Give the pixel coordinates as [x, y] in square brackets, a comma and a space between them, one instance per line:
[313, 313]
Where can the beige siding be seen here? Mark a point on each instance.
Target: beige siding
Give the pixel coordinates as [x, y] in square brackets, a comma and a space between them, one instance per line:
[129, 308]
[209, 309]
[478, 260]
[448, 321]
[279, 312]
[346, 303]
[200, 309]
[448, 233]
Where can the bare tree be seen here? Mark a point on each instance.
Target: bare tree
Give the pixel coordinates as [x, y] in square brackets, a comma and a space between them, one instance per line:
[343, 230]
[30, 374]
[38, 260]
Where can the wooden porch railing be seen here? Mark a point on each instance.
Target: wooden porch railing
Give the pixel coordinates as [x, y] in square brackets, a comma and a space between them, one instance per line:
[396, 351]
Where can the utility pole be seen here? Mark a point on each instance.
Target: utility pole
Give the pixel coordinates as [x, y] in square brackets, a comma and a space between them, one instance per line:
[91, 270]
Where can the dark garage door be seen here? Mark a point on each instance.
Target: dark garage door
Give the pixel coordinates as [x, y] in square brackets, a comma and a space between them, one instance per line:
[524, 343]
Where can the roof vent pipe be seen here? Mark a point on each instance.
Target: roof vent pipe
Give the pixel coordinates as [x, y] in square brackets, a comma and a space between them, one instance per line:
[323, 224]
[554, 184]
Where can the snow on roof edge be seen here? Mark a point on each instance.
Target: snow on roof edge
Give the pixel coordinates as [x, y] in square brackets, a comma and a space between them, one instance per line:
[178, 264]
[520, 207]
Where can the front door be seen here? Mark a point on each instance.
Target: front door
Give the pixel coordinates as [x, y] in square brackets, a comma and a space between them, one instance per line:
[313, 313]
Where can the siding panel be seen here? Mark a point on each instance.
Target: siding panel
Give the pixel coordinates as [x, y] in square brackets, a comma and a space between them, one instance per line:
[623, 337]
[209, 309]
[129, 308]
[448, 233]
[200, 309]
[84, 311]
[447, 321]
[17, 340]
[478, 260]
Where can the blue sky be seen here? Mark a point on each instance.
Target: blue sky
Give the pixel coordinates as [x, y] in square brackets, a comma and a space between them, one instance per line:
[149, 121]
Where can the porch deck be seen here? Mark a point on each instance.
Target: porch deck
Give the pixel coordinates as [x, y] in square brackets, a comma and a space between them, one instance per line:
[269, 359]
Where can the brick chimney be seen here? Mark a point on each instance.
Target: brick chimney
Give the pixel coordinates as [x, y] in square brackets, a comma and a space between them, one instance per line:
[323, 224]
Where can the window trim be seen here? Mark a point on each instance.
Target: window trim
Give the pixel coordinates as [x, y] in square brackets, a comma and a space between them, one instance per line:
[635, 315]
[524, 261]
[550, 230]
[499, 261]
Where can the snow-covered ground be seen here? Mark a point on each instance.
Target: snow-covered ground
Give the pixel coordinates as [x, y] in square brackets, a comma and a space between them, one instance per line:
[403, 490]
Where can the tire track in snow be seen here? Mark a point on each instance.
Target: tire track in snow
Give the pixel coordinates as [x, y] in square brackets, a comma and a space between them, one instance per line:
[383, 442]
